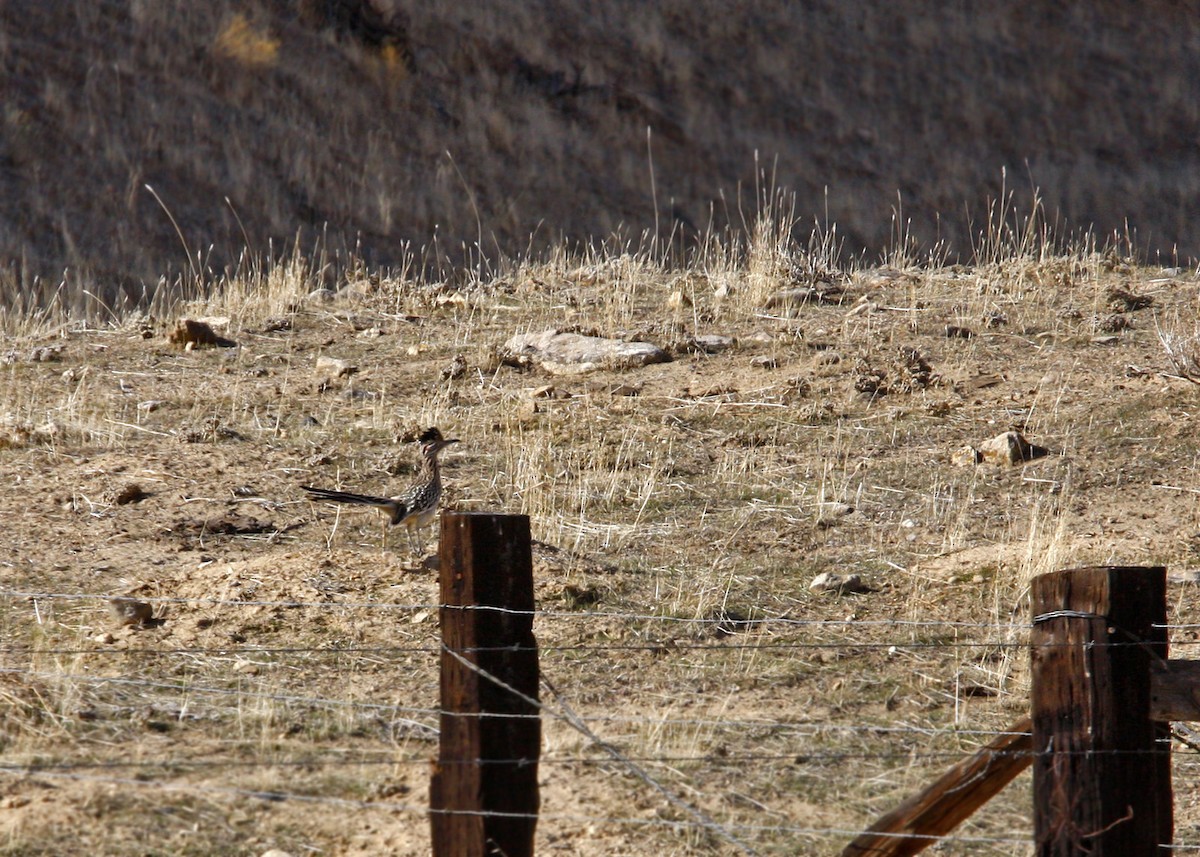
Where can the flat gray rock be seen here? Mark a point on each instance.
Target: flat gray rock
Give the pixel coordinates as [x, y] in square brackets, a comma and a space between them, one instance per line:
[573, 353]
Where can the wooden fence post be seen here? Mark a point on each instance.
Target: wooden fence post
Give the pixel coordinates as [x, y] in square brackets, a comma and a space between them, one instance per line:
[483, 796]
[1102, 769]
[925, 817]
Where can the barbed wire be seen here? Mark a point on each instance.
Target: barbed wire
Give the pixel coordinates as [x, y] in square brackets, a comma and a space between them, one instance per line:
[541, 816]
[740, 622]
[339, 759]
[764, 621]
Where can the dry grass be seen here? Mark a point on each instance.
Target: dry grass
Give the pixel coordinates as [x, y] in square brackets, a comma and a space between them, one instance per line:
[715, 492]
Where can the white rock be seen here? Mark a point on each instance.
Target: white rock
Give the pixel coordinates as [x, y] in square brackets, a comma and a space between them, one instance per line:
[828, 581]
[574, 353]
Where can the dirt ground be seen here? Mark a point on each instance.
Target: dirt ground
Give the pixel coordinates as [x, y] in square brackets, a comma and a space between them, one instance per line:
[284, 695]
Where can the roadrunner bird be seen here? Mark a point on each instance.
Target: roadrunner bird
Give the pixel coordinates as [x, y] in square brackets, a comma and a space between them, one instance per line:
[414, 507]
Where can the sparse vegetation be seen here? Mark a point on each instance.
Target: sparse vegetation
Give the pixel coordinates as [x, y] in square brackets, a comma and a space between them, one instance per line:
[676, 508]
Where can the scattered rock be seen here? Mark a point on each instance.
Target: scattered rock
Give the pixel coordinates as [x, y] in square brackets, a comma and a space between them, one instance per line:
[277, 324]
[573, 353]
[764, 361]
[829, 581]
[710, 343]
[548, 391]
[130, 611]
[191, 333]
[329, 370]
[40, 354]
[1009, 448]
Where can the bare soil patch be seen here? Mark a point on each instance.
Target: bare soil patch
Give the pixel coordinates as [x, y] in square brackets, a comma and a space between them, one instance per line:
[285, 695]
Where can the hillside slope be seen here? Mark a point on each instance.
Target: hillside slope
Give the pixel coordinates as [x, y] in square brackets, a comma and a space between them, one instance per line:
[369, 125]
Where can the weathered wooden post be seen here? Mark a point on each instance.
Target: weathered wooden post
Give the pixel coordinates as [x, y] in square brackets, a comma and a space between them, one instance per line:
[924, 818]
[1102, 769]
[483, 797]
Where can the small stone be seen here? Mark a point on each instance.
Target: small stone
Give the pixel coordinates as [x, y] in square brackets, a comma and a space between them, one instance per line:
[331, 369]
[46, 354]
[829, 581]
[191, 334]
[247, 668]
[1009, 448]
[130, 611]
[764, 361]
[711, 343]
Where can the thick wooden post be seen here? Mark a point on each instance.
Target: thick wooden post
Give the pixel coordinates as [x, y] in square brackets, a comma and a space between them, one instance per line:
[483, 797]
[1102, 769]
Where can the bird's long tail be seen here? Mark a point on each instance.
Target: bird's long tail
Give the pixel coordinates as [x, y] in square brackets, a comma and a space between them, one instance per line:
[347, 497]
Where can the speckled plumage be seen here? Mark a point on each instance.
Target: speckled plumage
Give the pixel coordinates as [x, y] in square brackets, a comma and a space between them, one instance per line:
[417, 505]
